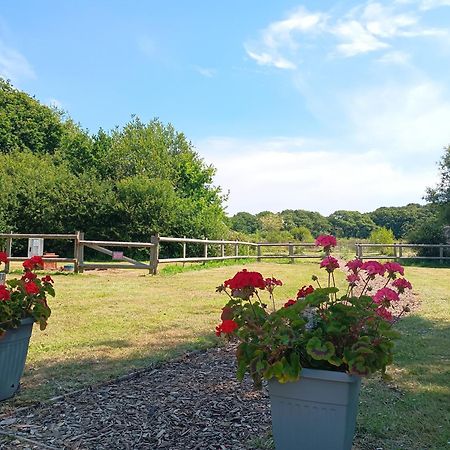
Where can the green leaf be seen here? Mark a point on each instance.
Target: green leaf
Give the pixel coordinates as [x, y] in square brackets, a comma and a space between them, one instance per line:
[320, 350]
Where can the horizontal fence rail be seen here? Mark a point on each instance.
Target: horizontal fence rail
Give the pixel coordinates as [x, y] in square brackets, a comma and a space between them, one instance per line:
[400, 251]
[205, 250]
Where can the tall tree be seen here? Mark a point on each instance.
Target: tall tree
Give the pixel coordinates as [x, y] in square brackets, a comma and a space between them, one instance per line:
[25, 124]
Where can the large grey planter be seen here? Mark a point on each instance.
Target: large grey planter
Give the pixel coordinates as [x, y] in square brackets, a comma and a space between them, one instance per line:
[13, 353]
[318, 412]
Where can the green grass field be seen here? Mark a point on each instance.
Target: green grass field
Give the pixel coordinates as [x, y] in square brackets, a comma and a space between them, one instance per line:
[110, 323]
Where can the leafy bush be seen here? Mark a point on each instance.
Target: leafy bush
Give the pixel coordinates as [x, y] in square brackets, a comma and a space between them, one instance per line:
[383, 235]
[302, 234]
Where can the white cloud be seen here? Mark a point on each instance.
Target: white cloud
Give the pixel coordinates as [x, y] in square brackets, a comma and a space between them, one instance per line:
[268, 59]
[431, 4]
[13, 65]
[276, 174]
[206, 72]
[358, 39]
[395, 57]
[401, 119]
[280, 36]
[369, 27]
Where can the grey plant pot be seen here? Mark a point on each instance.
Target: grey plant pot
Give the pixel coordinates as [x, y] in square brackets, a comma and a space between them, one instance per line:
[13, 354]
[318, 412]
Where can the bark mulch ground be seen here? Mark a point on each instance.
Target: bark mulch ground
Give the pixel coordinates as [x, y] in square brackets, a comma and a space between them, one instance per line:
[192, 403]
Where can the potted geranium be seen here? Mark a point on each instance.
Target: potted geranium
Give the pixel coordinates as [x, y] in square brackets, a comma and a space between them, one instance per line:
[314, 350]
[23, 302]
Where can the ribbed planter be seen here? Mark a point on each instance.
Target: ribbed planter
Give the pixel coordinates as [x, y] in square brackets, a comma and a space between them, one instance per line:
[13, 353]
[318, 412]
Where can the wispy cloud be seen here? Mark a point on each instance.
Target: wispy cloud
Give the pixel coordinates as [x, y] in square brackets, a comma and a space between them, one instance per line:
[206, 72]
[369, 27]
[395, 57]
[431, 4]
[281, 36]
[14, 65]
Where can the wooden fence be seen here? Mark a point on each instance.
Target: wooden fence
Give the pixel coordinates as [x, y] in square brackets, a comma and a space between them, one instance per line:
[224, 250]
[239, 250]
[400, 251]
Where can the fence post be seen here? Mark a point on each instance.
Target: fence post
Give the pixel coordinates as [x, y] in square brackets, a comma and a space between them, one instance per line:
[400, 251]
[236, 250]
[395, 251]
[154, 254]
[81, 253]
[184, 250]
[358, 251]
[8, 252]
[222, 250]
[76, 244]
[258, 252]
[291, 253]
[205, 253]
[441, 254]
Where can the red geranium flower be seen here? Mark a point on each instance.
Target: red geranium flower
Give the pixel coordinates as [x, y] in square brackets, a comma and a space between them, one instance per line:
[304, 291]
[273, 282]
[401, 284]
[34, 262]
[326, 241]
[3, 257]
[47, 279]
[227, 326]
[384, 313]
[373, 268]
[393, 268]
[330, 264]
[385, 296]
[4, 293]
[245, 279]
[31, 288]
[354, 265]
[353, 278]
[28, 276]
[290, 302]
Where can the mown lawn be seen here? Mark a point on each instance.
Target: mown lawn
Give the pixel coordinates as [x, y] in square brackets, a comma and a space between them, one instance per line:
[109, 323]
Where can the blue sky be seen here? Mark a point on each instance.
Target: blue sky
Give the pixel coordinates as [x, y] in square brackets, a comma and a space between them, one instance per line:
[310, 105]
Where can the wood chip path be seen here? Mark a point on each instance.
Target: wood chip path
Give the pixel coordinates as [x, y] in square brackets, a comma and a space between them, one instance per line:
[194, 402]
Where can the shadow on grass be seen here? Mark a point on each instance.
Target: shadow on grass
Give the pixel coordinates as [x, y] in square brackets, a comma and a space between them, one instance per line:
[411, 411]
[49, 378]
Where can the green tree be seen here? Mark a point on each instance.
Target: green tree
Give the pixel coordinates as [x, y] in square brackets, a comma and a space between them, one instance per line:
[270, 221]
[440, 194]
[351, 224]
[245, 222]
[400, 219]
[314, 221]
[25, 124]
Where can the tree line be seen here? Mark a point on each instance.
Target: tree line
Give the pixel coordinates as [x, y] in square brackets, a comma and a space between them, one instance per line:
[145, 178]
[124, 184]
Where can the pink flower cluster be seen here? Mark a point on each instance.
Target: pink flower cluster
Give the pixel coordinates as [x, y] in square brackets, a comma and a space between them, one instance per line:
[326, 241]
[330, 264]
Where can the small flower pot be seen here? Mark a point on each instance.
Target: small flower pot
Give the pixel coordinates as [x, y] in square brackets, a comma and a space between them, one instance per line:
[318, 412]
[13, 353]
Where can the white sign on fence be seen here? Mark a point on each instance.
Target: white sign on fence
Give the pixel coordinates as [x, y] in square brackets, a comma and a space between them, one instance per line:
[35, 247]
